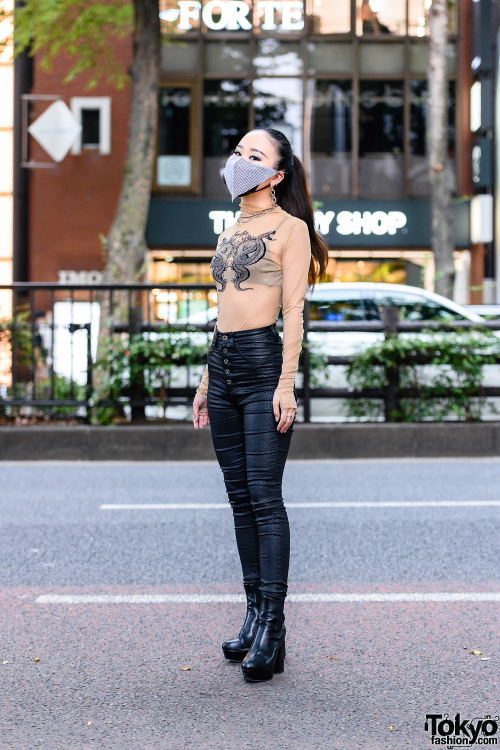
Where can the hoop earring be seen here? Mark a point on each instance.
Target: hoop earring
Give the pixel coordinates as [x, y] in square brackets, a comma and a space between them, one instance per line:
[275, 203]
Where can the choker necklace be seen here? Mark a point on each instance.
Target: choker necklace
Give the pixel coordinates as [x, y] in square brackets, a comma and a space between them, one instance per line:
[243, 220]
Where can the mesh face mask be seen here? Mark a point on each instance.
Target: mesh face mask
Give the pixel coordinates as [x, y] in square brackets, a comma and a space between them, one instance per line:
[241, 175]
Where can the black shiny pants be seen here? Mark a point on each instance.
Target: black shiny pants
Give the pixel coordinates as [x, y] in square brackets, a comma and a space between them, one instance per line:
[244, 368]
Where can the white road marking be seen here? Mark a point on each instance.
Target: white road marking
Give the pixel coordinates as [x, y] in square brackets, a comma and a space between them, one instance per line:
[438, 596]
[213, 461]
[362, 504]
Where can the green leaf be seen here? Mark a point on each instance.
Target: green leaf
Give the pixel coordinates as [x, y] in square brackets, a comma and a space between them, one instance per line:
[85, 31]
[457, 389]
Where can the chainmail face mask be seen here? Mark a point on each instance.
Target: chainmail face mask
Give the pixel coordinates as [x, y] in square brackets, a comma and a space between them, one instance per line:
[242, 175]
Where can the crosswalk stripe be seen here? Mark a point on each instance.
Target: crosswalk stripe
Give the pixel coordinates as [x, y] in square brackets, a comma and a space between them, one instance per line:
[312, 504]
[411, 596]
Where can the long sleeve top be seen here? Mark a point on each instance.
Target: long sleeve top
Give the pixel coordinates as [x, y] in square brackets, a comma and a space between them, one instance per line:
[260, 267]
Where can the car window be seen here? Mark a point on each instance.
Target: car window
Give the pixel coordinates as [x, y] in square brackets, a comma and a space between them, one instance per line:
[371, 309]
[415, 307]
[347, 307]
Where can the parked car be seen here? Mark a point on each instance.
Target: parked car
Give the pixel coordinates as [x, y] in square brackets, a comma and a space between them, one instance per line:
[360, 301]
[486, 311]
[364, 301]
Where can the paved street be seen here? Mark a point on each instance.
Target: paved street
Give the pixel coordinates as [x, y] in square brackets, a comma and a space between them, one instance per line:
[120, 581]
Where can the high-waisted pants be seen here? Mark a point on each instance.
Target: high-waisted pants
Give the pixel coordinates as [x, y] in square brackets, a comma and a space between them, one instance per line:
[244, 368]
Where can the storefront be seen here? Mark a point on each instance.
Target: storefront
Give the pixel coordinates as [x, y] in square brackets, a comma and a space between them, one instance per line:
[347, 84]
[345, 80]
[384, 241]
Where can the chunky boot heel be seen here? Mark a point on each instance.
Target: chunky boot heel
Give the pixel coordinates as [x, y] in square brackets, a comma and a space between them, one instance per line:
[266, 655]
[279, 665]
[237, 649]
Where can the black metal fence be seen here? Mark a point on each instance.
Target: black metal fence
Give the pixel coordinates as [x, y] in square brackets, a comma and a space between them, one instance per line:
[52, 335]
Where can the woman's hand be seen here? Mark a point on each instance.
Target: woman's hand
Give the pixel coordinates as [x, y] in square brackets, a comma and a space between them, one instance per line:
[283, 419]
[200, 412]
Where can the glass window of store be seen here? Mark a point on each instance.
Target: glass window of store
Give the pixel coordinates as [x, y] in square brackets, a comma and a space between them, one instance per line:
[175, 147]
[344, 80]
[419, 177]
[331, 136]
[381, 138]
[225, 118]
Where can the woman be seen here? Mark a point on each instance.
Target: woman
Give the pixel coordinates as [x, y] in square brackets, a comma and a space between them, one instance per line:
[262, 263]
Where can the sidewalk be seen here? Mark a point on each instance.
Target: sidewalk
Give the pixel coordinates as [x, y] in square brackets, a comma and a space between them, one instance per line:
[309, 441]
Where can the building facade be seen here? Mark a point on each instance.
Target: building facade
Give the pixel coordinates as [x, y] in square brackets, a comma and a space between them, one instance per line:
[344, 80]
[6, 185]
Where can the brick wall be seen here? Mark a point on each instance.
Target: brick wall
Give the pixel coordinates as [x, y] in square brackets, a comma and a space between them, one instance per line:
[74, 202]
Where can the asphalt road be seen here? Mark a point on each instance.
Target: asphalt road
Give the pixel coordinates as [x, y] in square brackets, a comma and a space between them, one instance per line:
[112, 618]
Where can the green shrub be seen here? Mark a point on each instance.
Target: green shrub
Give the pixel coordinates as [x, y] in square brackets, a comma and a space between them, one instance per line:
[16, 336]
[141, 362]
[456, 388]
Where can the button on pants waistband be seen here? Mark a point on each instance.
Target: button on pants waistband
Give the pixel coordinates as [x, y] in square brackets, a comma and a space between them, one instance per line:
[246, 334]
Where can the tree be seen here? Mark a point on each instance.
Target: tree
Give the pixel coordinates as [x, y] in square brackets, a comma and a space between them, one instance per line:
[126, 245]
[84, 30]
[440, 173]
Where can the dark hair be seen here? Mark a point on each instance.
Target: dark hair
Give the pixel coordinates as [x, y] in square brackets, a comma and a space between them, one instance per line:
[292, 194]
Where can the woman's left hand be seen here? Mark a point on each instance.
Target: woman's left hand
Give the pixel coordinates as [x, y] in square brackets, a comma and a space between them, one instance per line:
[200, 412]
[286, 416]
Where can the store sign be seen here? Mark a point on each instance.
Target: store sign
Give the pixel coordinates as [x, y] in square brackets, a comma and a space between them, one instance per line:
[481, 218]
[481, 107]
[344, 222]
[482, 162]
[56, 130]
[232, 15]
[79, 277]
[370, 222]
[197, 222]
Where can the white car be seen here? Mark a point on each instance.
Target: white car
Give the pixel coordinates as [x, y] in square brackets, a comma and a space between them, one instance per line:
[363, 301]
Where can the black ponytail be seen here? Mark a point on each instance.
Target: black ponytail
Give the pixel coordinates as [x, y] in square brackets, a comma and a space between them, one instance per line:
[292, 194]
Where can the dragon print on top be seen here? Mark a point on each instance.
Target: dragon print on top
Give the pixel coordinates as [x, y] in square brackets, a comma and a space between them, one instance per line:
[238, 252]
[270, 262]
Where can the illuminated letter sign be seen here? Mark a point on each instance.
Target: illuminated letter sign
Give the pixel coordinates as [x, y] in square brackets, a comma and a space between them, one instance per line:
[233, 14]
[348, 222]
[378, 222]
[292, 16]
[187, 11]
[323, 219]
[222, 220]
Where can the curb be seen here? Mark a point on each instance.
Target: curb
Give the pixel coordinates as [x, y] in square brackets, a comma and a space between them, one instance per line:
[309, 441]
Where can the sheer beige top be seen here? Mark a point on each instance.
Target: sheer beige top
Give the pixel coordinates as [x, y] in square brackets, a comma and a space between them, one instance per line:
[258, 268]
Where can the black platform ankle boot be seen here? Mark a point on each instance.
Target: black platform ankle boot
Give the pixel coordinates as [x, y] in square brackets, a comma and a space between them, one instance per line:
[266, 656]
[237, 649]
